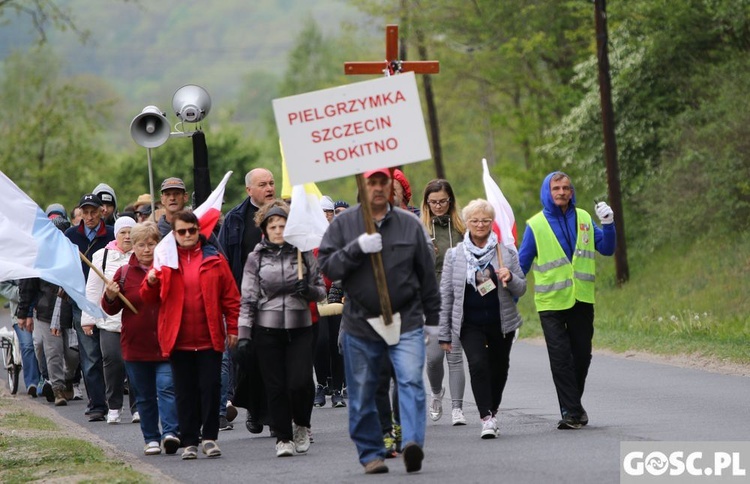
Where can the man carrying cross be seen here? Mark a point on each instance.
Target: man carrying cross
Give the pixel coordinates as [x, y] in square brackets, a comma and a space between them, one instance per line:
[408, 264]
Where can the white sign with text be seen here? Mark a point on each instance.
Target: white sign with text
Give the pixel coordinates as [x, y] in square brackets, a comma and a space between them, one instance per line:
[350, 129]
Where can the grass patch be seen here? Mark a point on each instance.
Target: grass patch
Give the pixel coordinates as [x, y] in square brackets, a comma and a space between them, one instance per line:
[34, 448]
[46, 458]
[25, 420]
[689, 298]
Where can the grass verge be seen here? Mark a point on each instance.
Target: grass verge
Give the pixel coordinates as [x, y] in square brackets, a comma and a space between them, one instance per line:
[34, 448]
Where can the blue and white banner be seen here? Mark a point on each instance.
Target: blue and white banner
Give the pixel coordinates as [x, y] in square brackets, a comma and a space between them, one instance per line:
[31, 246]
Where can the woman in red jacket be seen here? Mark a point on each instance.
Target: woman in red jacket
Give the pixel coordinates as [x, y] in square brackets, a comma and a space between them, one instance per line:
[148, 371]
[200, 304]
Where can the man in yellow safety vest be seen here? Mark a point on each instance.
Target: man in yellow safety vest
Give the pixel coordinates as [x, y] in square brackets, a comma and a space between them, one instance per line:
[559, 246]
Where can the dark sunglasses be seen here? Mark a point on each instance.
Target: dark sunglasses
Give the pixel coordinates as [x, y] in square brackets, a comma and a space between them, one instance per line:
[191, 231]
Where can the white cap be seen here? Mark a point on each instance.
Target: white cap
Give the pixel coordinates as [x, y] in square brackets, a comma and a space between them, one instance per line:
[123, 222]
[326, 203]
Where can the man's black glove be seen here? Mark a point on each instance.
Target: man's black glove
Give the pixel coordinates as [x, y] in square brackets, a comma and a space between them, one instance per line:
[301, 288]
[243, 349]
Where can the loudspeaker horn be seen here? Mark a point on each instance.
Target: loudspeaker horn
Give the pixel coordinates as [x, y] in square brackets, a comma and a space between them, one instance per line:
[191, 103]
[150, 128]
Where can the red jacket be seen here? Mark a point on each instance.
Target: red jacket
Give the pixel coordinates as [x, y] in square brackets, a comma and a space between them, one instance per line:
[138, 339]
[220, 296]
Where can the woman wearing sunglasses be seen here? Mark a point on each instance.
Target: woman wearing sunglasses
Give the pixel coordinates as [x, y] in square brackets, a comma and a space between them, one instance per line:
[198, 315]
[441, 216]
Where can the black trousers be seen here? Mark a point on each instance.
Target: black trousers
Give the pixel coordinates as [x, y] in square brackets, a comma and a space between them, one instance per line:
[568, 334]
[197, 388]
[488, 353]
[385, 400]
[286, 362]
[329, 363]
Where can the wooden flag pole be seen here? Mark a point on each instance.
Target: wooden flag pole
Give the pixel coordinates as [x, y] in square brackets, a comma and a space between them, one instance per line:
[106, 281]
[500, 262]
[376, 258]
[299, 264]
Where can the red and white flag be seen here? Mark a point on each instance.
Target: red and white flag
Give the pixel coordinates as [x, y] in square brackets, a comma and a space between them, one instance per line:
[208, 214]
[505, 222]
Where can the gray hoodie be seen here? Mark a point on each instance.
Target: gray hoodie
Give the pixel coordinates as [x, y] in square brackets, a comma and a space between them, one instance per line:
[103, 188]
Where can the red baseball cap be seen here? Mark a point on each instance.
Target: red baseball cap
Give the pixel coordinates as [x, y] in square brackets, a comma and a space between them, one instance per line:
[383, 171]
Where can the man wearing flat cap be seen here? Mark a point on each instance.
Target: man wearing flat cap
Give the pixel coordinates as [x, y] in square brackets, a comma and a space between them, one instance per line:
[174, 197]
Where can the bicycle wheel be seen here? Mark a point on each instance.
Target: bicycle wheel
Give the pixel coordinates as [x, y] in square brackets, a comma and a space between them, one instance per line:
[14, 373]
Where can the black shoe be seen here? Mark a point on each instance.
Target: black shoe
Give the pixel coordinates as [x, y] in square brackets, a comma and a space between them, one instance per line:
[569, 423]
[170, 443]
[413, 456]
[96, 417]
[337, 401]
[32, 391]
[584, 419]
[47, 391]
[320, 396]
[224, 423]
[252, 425]
[231, 412]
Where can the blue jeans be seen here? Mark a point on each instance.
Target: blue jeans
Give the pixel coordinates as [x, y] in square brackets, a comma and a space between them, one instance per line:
[227, 382]
[90, 352]
[29, 362]
[154, 397]
[362, 365]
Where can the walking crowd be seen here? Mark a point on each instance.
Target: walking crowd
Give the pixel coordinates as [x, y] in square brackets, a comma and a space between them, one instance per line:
[247, 320]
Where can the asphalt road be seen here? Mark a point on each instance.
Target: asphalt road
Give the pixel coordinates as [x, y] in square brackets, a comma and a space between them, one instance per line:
[626, 401]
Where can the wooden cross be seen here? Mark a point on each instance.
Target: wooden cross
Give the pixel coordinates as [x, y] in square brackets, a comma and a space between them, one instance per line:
[391, 64]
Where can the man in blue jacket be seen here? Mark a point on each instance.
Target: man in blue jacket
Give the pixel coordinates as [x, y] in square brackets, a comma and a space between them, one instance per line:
[238, 237]
[408, 260]
[561, 242]
[91, 235]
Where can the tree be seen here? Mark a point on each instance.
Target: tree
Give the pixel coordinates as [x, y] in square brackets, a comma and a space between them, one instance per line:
[45, 14]
[228, 149]
[52, 145]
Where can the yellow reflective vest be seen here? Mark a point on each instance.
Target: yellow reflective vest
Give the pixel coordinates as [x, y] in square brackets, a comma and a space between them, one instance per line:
[558, 283]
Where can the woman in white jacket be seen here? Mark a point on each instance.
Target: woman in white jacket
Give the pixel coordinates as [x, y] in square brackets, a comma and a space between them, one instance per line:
[116, 254]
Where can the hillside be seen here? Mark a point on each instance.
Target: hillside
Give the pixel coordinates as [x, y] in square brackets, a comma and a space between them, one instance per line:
[147, 50]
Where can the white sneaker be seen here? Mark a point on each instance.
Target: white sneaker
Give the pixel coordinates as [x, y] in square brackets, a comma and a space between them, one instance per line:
[458, 417]
[152, 448]
[436, 405]
[113, 416]
[497, 429]
[284, 449]
[77, 395]
[301, 439]
[136, 417]
[489, 428]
